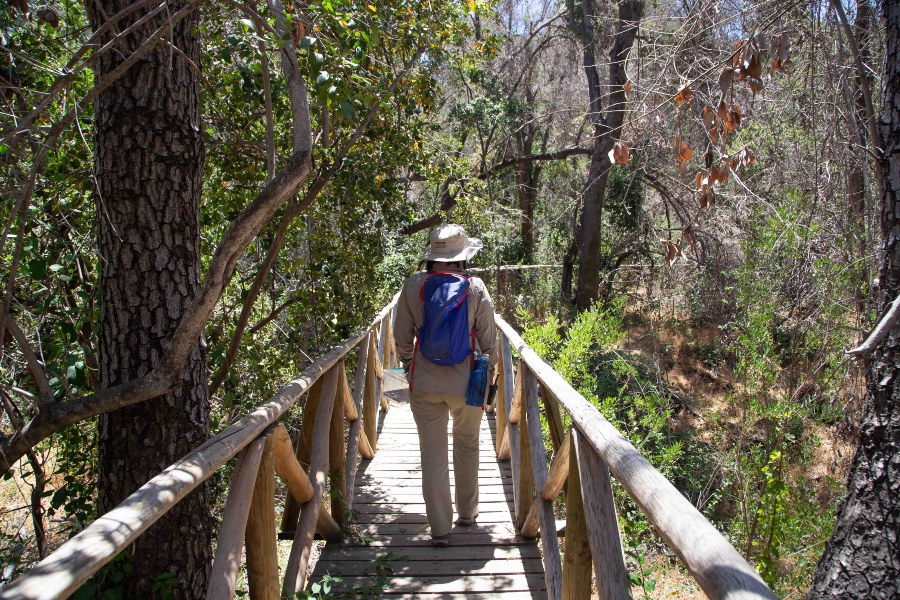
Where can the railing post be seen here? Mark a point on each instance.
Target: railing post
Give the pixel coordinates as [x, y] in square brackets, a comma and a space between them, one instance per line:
[602, 525]
[549, 543]
[391, 350]
[500, 403]
[225, 567]
[289, 468]
[337, 451]
[370, 400]
[353, 437]
[295, 572]
[577, 562]
[525, 484]
[512, 430]
[260, 537]
[304, 449]
[381, 361]
[554, 418]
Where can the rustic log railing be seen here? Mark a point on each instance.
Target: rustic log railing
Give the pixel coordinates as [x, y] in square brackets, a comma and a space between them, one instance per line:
[263, 448]
[584, 456]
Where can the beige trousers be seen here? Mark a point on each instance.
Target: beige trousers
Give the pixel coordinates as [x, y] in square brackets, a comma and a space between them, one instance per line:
[431, 412]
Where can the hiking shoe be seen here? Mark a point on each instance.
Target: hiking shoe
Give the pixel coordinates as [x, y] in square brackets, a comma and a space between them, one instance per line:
[440, 541]
[466, 521]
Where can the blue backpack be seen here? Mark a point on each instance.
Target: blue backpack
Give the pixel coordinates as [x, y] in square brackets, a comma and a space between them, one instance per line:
[445, 338]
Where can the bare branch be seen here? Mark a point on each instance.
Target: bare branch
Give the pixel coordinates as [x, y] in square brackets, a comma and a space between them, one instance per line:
[518, 160]
[879, 332]
[37, 370]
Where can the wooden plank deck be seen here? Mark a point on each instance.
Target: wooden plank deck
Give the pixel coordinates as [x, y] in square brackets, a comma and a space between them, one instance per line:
[487, 560]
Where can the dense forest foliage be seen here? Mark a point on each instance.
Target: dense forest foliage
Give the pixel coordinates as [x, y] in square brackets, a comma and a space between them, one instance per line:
[701, 181]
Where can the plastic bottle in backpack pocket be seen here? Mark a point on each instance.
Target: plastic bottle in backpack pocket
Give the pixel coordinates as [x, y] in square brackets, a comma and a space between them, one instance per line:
[478, 381]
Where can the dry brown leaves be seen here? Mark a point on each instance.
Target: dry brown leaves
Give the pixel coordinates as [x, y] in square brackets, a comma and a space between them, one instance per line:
[741, 158]
[684, 95]
[619, 154]
[710, 124]
[747, 65]
[690, 237]
[733, 116]
[726, 80]
[21, 5]
[778, 51]
[627, 87]
[683, 155]
[298, 31]
[705, 183]
[673, 251]
[718, 174]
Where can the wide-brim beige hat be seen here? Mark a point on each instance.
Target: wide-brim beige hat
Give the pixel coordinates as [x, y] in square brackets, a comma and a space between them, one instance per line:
[449, 243]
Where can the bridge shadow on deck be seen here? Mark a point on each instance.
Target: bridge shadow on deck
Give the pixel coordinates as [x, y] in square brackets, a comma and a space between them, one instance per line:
[486, 560]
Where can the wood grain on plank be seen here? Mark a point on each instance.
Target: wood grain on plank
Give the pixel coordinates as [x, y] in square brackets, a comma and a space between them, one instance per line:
[559, 470]
[439, 584]
[361, 553]
[436, 567]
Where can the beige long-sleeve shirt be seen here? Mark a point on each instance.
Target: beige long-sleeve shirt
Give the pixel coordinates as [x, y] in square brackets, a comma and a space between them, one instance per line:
[427, 376]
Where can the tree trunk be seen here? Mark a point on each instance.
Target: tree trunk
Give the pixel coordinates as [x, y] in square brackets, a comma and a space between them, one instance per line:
[149, 166]
[862, 558]
[526, 187]
[607, 130]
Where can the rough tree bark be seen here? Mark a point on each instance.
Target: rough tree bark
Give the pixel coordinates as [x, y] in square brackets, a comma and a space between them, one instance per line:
[862, 558]
[149, 163]
[527, 177]
[856, 178]
[607, 126]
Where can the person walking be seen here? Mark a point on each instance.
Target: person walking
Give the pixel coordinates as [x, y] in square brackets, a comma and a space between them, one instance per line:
[444, 318]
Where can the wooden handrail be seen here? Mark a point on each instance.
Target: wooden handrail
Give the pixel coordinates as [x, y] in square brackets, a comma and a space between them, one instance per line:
[73, 563]
[717, 567]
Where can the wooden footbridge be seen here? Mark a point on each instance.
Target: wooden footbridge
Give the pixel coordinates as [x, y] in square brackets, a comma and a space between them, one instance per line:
[386, 540]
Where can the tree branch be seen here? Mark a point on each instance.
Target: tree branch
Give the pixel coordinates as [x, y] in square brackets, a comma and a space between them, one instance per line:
[556, 155]
[879, 332]
[37, 370]
[448, 201]
[166, 376]
[292, 211]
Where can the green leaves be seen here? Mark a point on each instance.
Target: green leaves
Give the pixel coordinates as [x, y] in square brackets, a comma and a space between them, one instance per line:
[37, 269]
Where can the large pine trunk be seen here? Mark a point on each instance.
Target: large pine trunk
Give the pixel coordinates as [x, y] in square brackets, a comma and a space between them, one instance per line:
[862, 558]
[149, 166]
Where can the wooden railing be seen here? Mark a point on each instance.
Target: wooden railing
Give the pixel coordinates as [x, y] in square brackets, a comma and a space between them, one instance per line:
[585, 456]
[262, 447]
